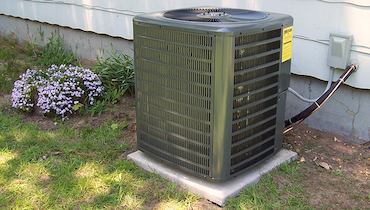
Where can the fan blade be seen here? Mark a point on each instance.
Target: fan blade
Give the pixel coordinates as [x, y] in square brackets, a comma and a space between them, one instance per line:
[214, 15]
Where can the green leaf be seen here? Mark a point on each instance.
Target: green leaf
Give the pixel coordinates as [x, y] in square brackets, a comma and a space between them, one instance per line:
[77, 106]
[114, 126]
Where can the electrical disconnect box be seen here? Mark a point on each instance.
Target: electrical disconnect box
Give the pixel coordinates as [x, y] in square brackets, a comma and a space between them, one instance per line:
[339, 50]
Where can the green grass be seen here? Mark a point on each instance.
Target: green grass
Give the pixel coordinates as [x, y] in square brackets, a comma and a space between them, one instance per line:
[12, 67]
[67, 169]
[272, 194]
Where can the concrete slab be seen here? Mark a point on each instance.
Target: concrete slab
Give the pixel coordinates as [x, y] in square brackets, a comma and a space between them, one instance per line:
[213, 191]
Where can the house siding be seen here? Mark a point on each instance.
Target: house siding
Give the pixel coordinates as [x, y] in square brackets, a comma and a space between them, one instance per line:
[93, 25]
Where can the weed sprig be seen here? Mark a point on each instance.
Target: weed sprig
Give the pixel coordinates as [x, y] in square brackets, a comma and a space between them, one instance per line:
[53, 53]
[117, 72]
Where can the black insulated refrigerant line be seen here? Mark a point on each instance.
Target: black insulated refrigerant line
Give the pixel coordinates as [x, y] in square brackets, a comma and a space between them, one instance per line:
[317, 104]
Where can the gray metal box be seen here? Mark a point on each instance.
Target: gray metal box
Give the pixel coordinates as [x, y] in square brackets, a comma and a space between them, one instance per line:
[339, 50]
[210, 96]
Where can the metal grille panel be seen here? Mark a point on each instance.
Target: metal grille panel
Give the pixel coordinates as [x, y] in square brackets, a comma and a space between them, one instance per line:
[273, 79]
[256, 82]
[254, 74]
[256, 96]
[174, 106]
[173, 95]
[167, 146]
[258, 49]
[176, 140]
[174, 36]
[173, 159]
[173, 82]
[255, 139]
[253, 151]
[254, 108]
[253, 62]
[174, 60]
[252, 38]
[250, 163]
[173, 128]
[253, 120]
[270, 123]
[174, 117]
[171, 71]
[175, 48]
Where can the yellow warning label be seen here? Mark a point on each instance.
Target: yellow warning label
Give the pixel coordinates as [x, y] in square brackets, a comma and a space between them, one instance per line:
[287, 44]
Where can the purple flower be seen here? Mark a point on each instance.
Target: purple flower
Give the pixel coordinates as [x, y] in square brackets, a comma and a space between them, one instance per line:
[58, 89]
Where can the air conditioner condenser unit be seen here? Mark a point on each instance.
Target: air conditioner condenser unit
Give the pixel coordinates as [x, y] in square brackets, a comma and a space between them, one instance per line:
[211, 87]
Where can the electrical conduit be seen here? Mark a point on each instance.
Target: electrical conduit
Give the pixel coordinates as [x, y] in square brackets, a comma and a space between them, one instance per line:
[320, 101]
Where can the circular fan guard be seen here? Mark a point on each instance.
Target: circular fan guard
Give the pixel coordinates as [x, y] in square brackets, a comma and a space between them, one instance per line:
[215, 15]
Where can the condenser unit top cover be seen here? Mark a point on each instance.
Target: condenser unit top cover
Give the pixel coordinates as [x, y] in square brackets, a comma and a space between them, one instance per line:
[211, 87]
[213, 19]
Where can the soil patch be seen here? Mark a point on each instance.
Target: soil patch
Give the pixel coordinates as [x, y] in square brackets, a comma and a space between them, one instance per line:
[341, 155]
[336, 169]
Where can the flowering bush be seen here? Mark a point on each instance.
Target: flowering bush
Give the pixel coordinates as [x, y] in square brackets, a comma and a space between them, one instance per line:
[61, 90]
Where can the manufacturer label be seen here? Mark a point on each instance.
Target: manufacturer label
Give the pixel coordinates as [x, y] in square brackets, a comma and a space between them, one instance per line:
[287, 44]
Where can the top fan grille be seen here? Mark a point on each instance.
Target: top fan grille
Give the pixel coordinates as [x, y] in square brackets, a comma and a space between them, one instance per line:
[215, 15]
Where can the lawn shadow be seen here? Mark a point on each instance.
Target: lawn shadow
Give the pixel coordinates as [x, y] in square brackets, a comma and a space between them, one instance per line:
[67, 168]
